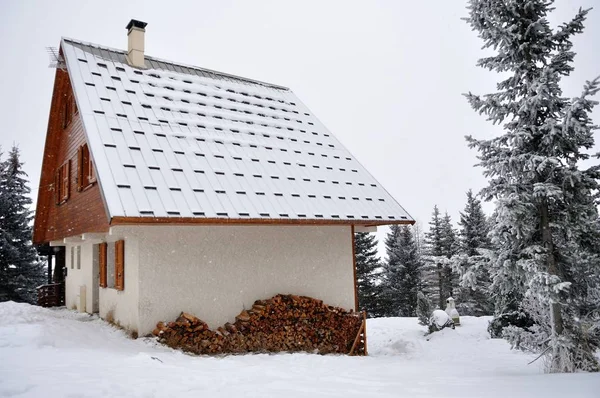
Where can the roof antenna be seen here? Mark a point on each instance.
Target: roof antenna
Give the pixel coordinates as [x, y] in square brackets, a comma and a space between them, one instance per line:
[56, 60]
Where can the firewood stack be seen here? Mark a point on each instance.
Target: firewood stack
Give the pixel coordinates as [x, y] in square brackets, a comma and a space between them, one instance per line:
[283, 323]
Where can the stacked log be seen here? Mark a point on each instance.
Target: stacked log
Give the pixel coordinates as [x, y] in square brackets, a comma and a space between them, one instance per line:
[284, 323]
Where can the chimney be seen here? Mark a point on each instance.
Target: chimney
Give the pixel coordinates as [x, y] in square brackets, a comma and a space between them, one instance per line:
[135, 43]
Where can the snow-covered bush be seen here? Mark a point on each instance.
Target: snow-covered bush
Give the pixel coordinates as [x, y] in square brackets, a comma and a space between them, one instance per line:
[517, 319]
[439, 320]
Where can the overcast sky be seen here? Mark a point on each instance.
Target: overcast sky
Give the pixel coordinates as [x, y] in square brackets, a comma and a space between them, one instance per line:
[385, 77]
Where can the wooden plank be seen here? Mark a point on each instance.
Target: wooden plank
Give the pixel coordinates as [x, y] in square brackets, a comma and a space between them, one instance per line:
[357, 339]
[365, 331]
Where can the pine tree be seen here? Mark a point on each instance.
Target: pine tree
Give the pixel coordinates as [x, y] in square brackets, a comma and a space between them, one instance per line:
[471, 263]
[402, 273]
[441, 245]
[546, 229]
[367, 273]
[20, 269]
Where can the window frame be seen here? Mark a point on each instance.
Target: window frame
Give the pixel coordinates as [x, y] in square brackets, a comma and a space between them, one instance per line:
[69, 111]
[119, 265]
[86, 175]
[62, 183]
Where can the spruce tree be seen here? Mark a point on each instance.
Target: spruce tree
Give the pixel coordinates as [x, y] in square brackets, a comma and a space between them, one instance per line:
[546, 230]
[410, 272]
[402, 273]
[390, 277]
[441, 245]
[450, 249]
[20, 268]
[432, 255]
[471, 263]
[367, 273]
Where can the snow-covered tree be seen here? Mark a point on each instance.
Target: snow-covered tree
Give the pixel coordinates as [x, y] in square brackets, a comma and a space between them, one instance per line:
[470, 263]
[20, 268]
[441, 244]
[367, 273]
[424, 309]
[545, 228]
[402, 273]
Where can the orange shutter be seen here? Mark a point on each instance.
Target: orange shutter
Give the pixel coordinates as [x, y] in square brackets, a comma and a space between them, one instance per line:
[80, 163]
[65, 114]
[66, 182]
[57, 182]
[120, 264]
[89, 175]
[90, 170]
[102, 247]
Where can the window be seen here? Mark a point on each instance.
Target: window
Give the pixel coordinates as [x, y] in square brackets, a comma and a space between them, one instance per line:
[62, 182]
[85, 169]
[111, 257]
[69, 109]
[76, 257]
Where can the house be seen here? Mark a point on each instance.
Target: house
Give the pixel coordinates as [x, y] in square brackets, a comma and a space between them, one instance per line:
[169, 188]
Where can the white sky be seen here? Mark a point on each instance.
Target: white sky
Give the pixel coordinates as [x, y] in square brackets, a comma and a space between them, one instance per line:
[385, 77]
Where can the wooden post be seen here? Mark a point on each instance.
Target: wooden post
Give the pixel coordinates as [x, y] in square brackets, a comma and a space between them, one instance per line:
[365, 331]
[357, 339]
[49, 259]
[354, 269]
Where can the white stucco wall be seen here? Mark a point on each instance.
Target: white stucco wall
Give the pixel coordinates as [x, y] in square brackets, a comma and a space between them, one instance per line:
[122, 307]
[216, 271]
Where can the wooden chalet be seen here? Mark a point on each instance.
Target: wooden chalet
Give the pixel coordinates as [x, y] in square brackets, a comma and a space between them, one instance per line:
[168, 188]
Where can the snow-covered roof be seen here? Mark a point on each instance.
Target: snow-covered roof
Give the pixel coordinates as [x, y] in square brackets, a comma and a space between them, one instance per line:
[181, 141]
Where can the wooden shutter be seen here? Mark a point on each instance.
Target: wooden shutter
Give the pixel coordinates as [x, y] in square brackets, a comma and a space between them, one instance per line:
[57, 182]
[102, 250]
[65, 181]
[80, 174]
[66, 113]
[120, 264]
[90, 165]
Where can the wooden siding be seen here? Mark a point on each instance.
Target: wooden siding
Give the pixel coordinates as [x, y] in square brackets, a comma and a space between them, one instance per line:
[84, 211]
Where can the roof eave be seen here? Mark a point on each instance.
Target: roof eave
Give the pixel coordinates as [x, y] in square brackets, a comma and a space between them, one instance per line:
[250, 221]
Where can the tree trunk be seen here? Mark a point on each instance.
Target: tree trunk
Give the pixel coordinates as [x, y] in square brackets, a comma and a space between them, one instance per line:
[556, 316]
[441, 299]
[449, 288]
[556, 319]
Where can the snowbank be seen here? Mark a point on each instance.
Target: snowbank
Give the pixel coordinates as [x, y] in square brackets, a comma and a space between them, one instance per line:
[57, 353]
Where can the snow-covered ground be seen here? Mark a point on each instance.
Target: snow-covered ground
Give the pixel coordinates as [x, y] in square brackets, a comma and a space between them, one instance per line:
[60, 353]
